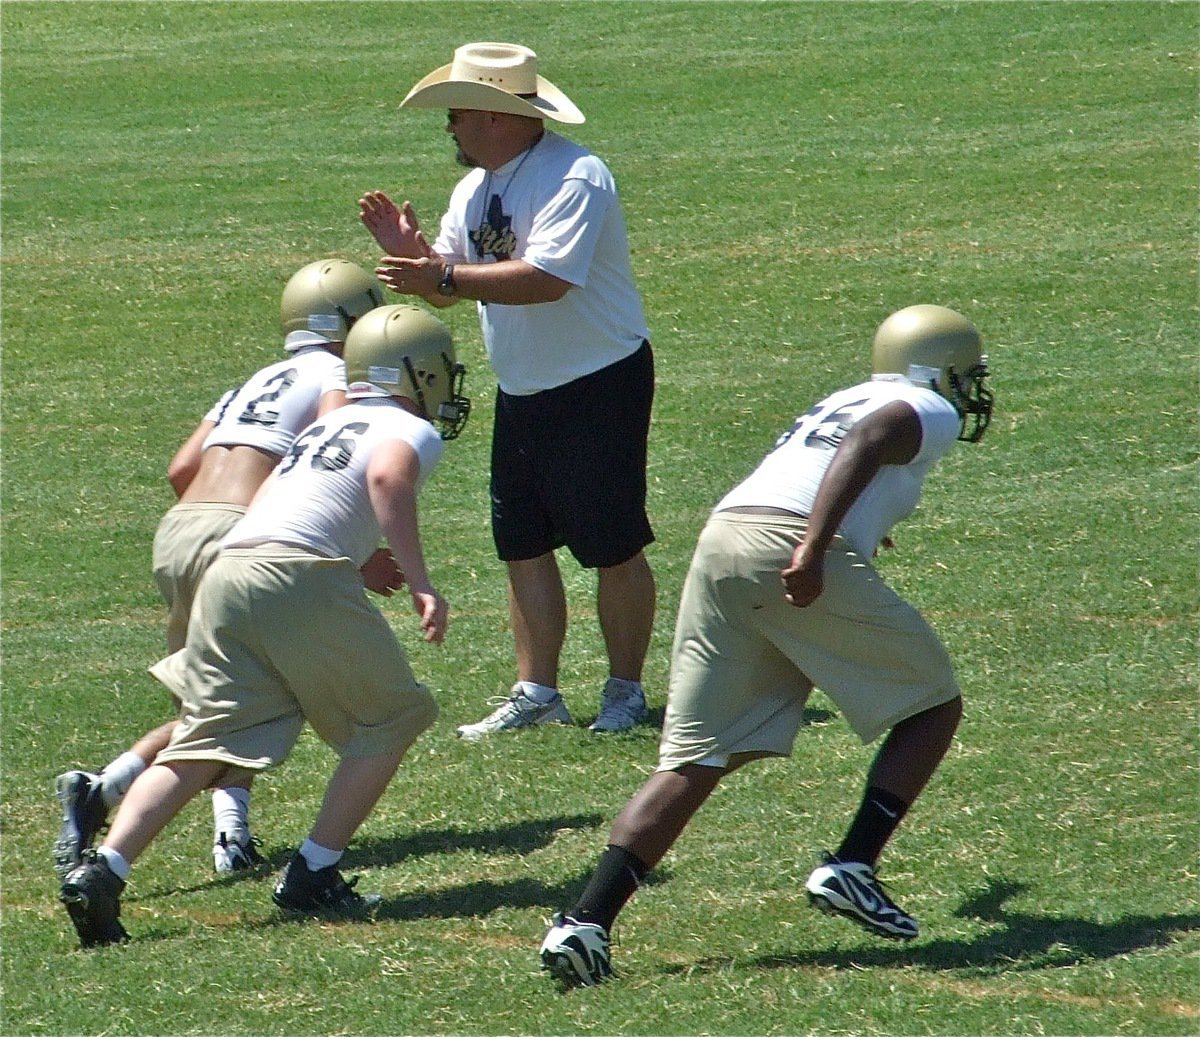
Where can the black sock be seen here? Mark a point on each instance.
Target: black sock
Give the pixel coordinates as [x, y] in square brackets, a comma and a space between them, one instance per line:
[873, 826]
[614, 881]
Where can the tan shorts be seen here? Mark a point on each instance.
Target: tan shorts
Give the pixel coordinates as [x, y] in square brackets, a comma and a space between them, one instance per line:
[185, 543]
[745, 660]
[280, 636]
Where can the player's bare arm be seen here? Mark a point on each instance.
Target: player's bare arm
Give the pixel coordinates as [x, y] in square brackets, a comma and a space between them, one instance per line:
[381, 574]
[391, 482]
[331, 400]
[890, 435]
[186, 462]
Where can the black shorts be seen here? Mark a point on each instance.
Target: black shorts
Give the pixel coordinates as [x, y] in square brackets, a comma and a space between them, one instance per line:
[569, 466]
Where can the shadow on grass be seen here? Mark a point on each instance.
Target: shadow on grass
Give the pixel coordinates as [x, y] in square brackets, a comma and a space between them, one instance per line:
[476, 899]
[519, 838]
[471, 900]
[1023, 941]
[655, 715]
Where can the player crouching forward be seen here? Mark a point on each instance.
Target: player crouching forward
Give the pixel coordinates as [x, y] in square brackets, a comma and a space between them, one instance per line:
[282, 630]
[216, 472]
[781, 596]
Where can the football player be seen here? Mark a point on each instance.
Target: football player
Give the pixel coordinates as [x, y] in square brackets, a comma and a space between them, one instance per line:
[781, 596]
[215, 473]
[283, 633]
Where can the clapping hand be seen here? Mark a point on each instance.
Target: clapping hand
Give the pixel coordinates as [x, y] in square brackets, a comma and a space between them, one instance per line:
[395, 229]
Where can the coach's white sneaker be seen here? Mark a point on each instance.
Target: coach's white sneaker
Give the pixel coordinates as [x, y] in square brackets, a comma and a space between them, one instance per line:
[576, 953]
[850, 888]
[517, 711]
[622, 705]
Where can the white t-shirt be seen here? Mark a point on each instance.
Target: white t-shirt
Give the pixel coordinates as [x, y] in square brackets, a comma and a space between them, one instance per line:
[554, 206]
[790, 474]
[277, 402]
[319, 499]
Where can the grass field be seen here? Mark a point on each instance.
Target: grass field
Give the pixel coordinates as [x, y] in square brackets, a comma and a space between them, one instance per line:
[791, 173]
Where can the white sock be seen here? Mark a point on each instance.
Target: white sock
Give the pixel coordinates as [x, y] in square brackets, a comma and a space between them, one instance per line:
[117, 776]
[117, 864]
[231, 814]
[540, 693]
[317, 856]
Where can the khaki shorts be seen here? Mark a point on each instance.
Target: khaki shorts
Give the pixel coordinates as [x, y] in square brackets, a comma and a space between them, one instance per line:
[745, 660]
[185, 543]
[280, 636]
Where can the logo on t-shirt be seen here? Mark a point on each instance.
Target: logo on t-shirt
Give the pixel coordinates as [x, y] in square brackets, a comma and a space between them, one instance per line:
[495, 236]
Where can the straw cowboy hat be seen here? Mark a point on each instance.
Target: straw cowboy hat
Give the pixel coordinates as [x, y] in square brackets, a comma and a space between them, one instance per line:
[493, 77]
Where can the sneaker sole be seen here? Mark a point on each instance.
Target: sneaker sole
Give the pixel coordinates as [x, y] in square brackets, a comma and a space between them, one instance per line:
[562, 967]
[70, 844]
[239, 869]
[828, 907]
[77, 907]
[77, 904]
[66, 857]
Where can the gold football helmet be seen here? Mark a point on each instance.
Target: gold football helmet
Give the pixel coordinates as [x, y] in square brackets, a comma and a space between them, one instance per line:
[403, 350]
[939, 349]
[327, 297]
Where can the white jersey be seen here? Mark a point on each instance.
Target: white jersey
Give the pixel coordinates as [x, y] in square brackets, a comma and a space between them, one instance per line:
[276, 402]
[319, 499]
[789, 476]
[556, 208]
[218, 408]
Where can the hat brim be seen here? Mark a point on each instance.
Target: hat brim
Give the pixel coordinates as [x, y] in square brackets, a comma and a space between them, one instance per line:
[437, 90]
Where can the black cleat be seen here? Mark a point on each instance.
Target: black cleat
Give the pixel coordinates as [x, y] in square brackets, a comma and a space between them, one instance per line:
[850, 889]
[321, 892]
[92, 895]
[576, 953]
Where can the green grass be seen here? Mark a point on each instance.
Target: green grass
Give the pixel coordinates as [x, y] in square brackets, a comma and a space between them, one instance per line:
[791, 173]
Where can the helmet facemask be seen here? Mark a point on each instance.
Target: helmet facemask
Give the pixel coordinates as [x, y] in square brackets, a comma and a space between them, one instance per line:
[450, 415]
[972, 400]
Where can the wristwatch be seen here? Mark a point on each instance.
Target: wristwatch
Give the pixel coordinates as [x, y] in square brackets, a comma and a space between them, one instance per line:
[447, 286]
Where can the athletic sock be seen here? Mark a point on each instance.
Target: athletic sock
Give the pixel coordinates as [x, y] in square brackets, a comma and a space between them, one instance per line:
[317, 856]
[540, 693]
[231, 814]
[614, 881]
[873, 825]
[117, 864]
[117, 776]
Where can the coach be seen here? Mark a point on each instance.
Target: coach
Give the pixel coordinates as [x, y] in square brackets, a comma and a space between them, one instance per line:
[534, 234]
